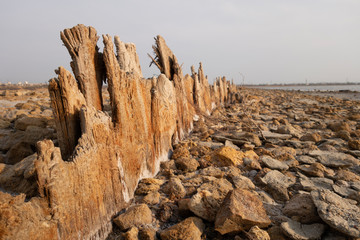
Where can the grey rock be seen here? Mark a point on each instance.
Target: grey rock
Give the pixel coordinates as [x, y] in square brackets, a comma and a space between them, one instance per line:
[337, 213]
[212, 145]
[305, 159]
[229, 143]
[273, 163]
[271, 135]
[310, 184]
[334, 159]
[277, 184]
[298, 231]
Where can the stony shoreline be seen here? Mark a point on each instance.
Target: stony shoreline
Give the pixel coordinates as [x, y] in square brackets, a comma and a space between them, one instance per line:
[295, 155]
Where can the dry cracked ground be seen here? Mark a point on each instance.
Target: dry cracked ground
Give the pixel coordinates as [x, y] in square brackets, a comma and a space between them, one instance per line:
[275, 165]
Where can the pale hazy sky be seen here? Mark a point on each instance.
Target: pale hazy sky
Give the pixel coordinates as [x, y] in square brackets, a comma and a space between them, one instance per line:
[268, 41]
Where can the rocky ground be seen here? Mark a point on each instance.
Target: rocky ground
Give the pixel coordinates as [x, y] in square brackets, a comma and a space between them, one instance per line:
[277, 165]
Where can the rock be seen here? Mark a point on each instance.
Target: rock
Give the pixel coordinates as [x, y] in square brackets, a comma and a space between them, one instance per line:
[346, 175]
[134, 216]
[151, 198]
[314, 137]
[187, 164]
[190, 228]
[338, 126]
[275, 232]
[251, 163]
[229, 143]
[274, 212]
[337, 213]
[147, 233]
[148, 185]
[343, 189]
[288, 129]
[174, 188]
[343, 134]
[206, 202]
[298, 231]
[212, 171]
[256, 233]
[240, 210]
[334, 159]
[21, 177]
[212, 145]
[273, 163]
[167, 212]
[354, 144]
[227, 156]
[24, 122]
[301, 208]
[180, 151]
[277, 184]
[310, 184]
[243, 182]
[18, 152]
[247, 137]
[314, 170]
[132, 234]
[167, 165]
[271, 135]
[4, 124]
[305, 159]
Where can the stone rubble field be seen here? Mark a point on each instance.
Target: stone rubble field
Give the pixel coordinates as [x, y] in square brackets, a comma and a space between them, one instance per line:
[274, 165]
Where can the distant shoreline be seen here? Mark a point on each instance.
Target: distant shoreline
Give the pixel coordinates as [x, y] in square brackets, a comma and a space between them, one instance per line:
[298, 84]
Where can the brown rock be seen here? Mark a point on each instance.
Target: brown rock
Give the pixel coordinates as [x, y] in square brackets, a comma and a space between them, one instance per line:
[190, 228]
[187, 164]
[148, 185]
[24, 122]
[301, 208]
[132, 234]
[314, 170]
[180, 151]
[175, 189]
[209, 197]
[134, 216]
[256, 233]
[354, 144]
[314, 137]
[346, 175]
[276, 233]
[227, 156]
[151, 198]
[21, 177]
[343, 134]
[240, 210]
[338, 126]
[147, 233]
[4, 124]
[18, 152]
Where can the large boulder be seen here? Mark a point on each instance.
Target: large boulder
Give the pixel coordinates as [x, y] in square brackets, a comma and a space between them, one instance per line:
[240, 210]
